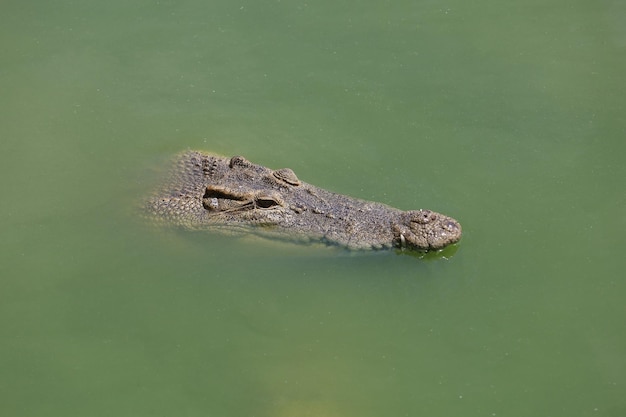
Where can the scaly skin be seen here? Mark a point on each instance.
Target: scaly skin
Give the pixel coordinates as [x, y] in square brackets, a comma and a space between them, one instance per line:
[213, 192]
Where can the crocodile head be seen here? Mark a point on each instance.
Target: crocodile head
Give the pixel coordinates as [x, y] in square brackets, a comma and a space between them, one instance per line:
[212, 192]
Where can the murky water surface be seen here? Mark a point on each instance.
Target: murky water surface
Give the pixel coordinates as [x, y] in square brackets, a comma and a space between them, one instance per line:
[507, 117]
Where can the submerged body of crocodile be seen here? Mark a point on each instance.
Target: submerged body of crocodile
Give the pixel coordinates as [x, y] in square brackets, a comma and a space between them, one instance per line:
[209, 191]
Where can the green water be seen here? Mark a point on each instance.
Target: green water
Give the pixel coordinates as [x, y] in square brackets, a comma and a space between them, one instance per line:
[507, 116]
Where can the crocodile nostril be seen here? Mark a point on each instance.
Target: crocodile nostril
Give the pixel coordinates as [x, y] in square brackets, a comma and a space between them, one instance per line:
[425, 216]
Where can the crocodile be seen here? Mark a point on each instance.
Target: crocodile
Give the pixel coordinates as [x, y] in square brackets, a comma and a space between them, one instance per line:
[208, 191]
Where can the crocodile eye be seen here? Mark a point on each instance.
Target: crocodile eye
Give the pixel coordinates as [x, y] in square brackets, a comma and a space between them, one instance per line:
[266, 201]
[287, 175]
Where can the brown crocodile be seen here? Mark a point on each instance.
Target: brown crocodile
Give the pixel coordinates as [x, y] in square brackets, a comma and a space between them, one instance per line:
[209, 191]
